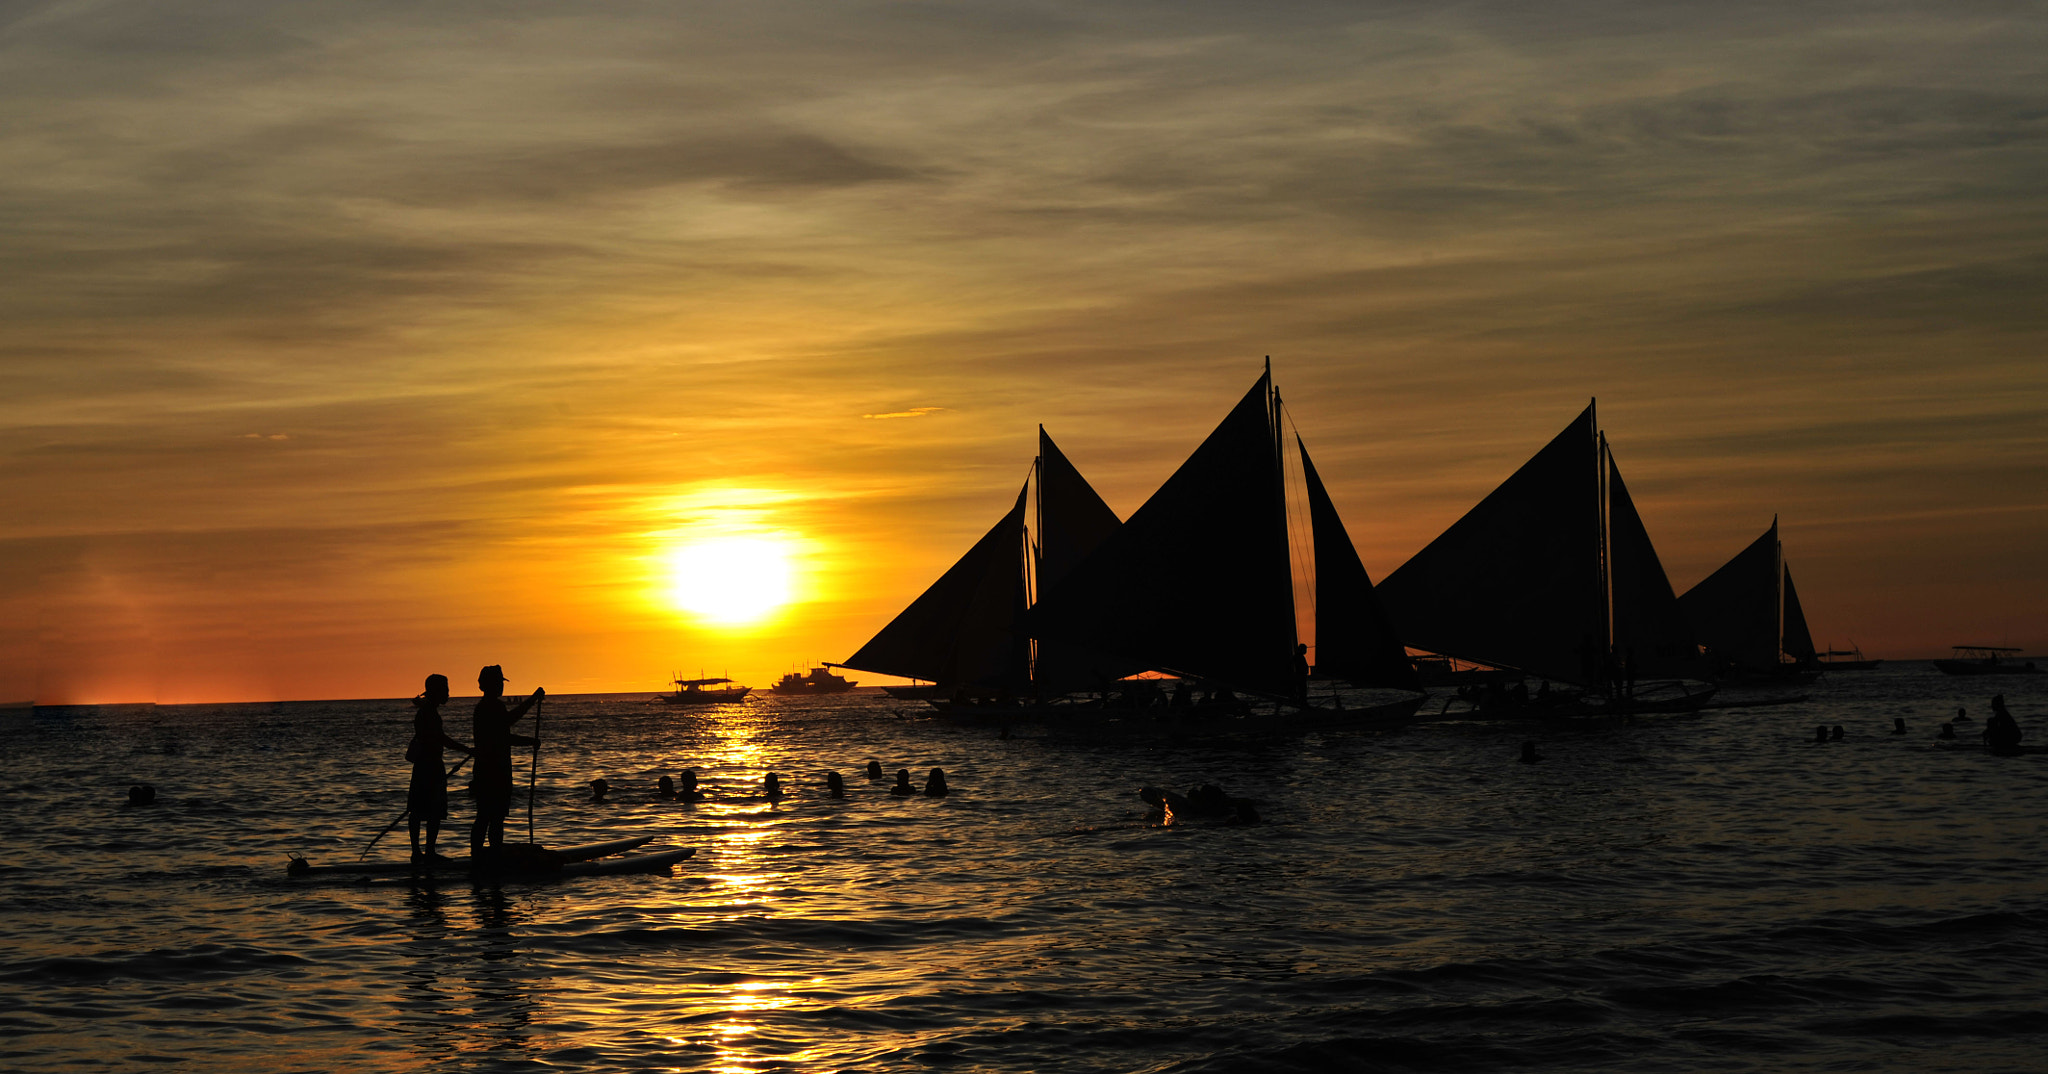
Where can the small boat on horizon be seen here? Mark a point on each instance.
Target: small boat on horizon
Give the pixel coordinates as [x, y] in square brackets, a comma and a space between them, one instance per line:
[1830, 660]
[819, 681]
[693, 692]
[1985, 660]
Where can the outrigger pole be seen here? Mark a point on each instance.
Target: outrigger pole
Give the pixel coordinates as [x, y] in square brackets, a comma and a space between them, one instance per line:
[533, 772]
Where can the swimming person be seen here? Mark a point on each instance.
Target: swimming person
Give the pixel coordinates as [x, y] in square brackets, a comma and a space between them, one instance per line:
[771, 788]
[1948, 730]
[834, 786]
[1820, 733]
[1836, 734]
[690, 793]
[1529, 754]
[1898, 725]
[665, 789]
[426, 798]
[874, 770]
[141, 794]
[492, 784]
[903, 789]
[1963, 714]
[935, 784]
[599, 788]
[2001, 732]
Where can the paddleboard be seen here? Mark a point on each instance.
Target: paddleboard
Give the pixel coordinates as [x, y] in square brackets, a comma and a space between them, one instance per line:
[631, 863]
[300, 867]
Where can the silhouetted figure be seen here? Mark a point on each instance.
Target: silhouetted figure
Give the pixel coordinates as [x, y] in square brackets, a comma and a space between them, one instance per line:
[903, 789]
[1948, 730]
[1529, 754]
[1245, 813]
[665, 789]
[771, 788]
[426, 798]
[1820, 733]
[1301, 674]
[874, 770]
[2001, 732]
[1963, 715]
[1836, 734]
[935, 784]
[1182, 695]
[689, 791]
[492, 785]
[1156, 800]
[1003, 732]
[834, 786]
[1898, 725]
[599, 788]
[141, 794]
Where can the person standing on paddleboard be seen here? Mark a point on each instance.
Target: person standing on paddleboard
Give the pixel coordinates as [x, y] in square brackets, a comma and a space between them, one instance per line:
[492, 784]
[426, 801]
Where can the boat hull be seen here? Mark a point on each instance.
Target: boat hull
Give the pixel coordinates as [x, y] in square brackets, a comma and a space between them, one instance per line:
[707, 697]
[1983, 667]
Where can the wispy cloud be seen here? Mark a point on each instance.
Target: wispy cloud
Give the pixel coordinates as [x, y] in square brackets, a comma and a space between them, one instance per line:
[913, 412]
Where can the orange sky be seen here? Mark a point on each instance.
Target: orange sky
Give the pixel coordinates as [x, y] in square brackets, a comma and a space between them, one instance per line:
[344, 345]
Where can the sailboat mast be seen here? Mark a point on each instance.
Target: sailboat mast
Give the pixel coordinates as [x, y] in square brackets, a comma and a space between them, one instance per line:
[1606, 540]
[1280, 495]
[1778, 581]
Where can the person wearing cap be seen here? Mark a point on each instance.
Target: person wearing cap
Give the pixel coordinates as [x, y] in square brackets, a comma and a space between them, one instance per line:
[426, 799]
[494, 740]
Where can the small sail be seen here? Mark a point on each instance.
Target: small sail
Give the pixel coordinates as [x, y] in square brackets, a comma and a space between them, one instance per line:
[963, 630]
[1516, 582]
[1072, 522]
[1735, 610]
[1649, 627]
[1798, 639]
[1072, 519]
[1197, 581]
[1354, 640]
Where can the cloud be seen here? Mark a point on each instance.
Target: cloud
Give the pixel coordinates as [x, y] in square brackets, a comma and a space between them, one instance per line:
[913, 412]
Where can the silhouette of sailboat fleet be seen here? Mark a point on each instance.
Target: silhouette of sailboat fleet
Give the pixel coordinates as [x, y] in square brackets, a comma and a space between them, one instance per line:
[1552, 577]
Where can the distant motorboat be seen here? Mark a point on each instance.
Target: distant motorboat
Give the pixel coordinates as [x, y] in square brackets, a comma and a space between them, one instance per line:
[693, 692]
[1985, 660]
[819, 681]
[1831, 660]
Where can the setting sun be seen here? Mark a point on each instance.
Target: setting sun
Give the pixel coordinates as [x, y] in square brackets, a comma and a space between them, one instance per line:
[730, 579]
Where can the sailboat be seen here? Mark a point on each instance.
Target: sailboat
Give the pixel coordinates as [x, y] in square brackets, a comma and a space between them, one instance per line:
[1553, 576]
[1747, 614]
[1197, 584]
[965, 635]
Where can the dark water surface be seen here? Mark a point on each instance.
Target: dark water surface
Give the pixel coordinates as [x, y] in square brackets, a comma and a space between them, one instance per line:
[1682, 893]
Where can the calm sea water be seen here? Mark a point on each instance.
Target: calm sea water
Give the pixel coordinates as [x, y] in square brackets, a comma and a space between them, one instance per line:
[1678, 893]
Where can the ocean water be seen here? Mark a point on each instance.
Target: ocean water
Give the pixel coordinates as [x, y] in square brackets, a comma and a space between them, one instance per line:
[1696, 893]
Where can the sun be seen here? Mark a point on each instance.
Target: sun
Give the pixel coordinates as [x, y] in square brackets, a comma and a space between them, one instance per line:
[731, 580]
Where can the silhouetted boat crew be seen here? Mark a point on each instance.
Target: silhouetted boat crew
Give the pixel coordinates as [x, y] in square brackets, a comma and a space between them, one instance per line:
[426, 797]
[935, 784]
[492, 733]
[2001, 732]
[875, 770]
[902, 787]
[141, 794]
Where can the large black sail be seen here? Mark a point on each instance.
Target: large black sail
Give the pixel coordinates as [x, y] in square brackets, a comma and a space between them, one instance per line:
[1734, 611]
[1354, 639]
[1516, 582]
[1649, 627]
[964, 629]
[1197, 581]
[1798, 640]
[1072, 522]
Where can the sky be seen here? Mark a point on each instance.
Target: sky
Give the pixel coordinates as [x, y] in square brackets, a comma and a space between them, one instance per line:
[345, 343]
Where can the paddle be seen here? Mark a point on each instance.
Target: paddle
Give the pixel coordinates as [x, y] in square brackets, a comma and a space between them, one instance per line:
[406, 812]
[533, 772]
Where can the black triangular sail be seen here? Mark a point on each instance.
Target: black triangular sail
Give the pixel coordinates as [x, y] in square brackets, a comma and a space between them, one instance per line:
[1197, 581]
[1650, 630]
[1798, 641]
[1072, 522]
[963, 630]
[1735, 610]
[1354, 639]
[1516, 582]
